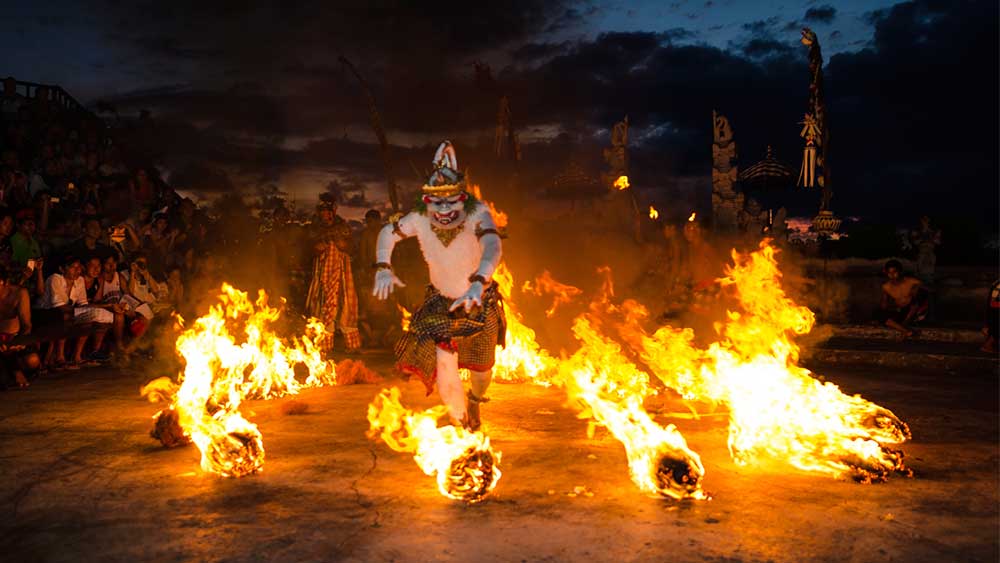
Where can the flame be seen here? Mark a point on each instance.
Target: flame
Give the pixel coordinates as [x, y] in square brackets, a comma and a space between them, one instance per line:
[692, 217]
[232, 354]
[611, 390]
[464, 465]
[499, 217]
[653, 213]
[404, 320]
[777, 409]
[545, 283]
[522, 358]
[622, 183]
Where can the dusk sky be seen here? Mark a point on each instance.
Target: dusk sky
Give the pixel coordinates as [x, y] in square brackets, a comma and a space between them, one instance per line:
[250, 94]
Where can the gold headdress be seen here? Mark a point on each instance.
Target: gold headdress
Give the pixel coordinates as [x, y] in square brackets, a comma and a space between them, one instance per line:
[445, 180]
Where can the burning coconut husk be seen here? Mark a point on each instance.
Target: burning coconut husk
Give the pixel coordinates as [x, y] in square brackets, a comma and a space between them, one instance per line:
[167, 429]
[610, 391]
[464, 465]
[233, 354]
[777, 409]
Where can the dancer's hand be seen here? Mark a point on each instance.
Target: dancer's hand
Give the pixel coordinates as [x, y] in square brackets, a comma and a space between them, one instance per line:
[471, 298]
[385, 282]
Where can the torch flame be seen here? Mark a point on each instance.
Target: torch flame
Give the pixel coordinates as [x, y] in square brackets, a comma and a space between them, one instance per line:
[653, 213]
[692, 217]
[622, 183]
[464, 465]
[222, 369]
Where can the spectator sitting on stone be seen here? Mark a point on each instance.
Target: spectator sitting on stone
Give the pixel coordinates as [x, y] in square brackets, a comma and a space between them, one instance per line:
[159, 241]
[141, 284]
[6, 230]
[24, 245]
[90, 245]
[15, 320]
[904, 299]
[18, 196]
[64, 306]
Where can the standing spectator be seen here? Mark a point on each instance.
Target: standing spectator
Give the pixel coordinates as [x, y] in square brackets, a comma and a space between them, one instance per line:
[331, 297]
[904, 299]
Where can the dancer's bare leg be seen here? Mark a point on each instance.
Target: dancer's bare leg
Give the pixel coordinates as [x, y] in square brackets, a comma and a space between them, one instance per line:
[450, 385]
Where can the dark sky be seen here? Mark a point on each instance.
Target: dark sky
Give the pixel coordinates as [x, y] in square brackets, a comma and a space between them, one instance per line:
[250, 94]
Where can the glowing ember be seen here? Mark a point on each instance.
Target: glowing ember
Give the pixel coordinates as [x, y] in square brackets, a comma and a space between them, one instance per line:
[464, 465]
[777, 409]
[622, 183]
[546, 284]
[692, 217]
[223, 369]
[653, 213]
[611, 391]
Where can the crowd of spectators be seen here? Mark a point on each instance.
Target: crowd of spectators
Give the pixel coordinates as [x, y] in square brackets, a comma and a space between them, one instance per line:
[93, 251]
[96, 250]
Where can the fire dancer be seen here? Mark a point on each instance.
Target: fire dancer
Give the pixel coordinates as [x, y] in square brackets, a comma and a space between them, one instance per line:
[461, 320]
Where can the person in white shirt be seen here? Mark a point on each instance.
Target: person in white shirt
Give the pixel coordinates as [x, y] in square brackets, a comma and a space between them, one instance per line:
[64, 302]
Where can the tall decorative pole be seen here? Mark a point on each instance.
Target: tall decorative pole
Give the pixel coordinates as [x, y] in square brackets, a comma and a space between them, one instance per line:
[815, 130]
[376, 122]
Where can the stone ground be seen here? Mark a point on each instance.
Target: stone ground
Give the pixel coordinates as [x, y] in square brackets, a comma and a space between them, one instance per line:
[81, 480]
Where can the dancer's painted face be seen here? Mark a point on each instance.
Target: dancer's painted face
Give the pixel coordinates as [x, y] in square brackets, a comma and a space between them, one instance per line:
[446, 212]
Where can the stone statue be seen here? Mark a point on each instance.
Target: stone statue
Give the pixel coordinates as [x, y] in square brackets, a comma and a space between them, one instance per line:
[617, 155]
[727, 203]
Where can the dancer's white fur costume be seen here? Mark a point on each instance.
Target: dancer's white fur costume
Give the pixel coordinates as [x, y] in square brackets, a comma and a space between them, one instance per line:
[461, 320]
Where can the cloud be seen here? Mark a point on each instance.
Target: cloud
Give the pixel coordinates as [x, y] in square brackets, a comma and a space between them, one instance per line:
[821, 14]
[263, 111]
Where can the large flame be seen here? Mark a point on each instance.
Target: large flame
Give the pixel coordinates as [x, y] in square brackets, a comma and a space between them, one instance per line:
[232, 354]
[463, 463]
[777, 409]
[611, 390]
[522, 358]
